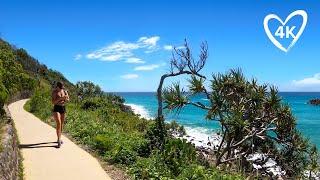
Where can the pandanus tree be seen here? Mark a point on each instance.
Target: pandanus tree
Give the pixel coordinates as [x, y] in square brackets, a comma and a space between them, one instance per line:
[252, 117]
[182, 63]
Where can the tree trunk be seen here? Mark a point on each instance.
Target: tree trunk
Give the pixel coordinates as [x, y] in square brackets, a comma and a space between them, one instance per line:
[159, 95]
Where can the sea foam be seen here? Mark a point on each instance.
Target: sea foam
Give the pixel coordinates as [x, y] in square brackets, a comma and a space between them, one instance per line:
[202, 137]
[139, 109]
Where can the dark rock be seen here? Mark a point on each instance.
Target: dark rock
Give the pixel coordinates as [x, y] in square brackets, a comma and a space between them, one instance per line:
[314, 102]
[126, 108]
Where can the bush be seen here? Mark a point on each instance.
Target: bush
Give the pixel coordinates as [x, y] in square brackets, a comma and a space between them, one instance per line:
[155, 135]
[103, 143]
[174, 128]
[178, 154]
[40, 104]
[193, 172]
[150, 168]
[124, 155]
[93, 103]
[3, 98]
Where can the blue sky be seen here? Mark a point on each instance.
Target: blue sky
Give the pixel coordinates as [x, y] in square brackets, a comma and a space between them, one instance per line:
[125, 45]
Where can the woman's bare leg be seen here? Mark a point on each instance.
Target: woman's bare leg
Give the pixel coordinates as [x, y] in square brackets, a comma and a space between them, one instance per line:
[62, 117]
[57, 117]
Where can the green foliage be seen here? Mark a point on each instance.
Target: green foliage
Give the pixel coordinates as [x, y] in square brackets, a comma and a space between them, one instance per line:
[156, 134]
[156, 168]
[174, 97]
[313, 167]
[40, 103]
[3, 98]
[125, 156]
[103, 143]
[13, 77]
[93, 103]
[150, 168]
[12, 74]
[88, 89]
[178, 154]
[173, 128]
[196, 172]
[196, 84]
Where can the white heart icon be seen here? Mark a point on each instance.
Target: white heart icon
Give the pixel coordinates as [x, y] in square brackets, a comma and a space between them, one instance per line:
[295, 38]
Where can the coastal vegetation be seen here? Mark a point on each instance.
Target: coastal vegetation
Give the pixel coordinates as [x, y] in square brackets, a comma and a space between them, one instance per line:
[12, 80]
[252, 119]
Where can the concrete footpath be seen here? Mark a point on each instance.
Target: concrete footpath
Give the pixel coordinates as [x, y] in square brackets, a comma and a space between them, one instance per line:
[42, 160]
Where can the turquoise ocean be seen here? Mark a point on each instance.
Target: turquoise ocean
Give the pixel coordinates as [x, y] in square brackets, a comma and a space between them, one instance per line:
[308, 116]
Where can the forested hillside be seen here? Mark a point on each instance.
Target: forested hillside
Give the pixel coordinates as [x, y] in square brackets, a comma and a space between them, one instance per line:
[21, 72]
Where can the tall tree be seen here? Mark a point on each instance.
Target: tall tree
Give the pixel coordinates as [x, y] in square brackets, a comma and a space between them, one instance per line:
[182, 62]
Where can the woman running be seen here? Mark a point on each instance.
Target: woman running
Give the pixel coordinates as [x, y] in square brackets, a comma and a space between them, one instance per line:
[59, 98]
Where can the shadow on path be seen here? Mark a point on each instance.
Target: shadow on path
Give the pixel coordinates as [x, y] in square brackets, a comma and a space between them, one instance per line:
[38, 145]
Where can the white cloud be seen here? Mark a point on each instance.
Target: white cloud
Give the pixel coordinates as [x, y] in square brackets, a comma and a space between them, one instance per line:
[120, 50]
[313, 81]
[129, 76]
[114, 57]
[168, 47]
[180, 47]
[134, 60]
[114, 52]
[149, 42]
[147, 67]
[77, 57]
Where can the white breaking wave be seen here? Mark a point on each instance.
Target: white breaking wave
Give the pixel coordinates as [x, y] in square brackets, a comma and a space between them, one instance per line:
[202, 137]
[139, 109]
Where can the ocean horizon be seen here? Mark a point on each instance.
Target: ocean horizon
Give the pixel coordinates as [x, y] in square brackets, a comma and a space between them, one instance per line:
[193, 119]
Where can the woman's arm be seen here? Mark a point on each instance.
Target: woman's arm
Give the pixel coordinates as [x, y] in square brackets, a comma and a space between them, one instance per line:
[56, 98]
[67, 98]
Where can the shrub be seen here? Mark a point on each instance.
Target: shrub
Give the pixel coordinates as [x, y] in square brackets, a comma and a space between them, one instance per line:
[195, 172]
[3, 98]
[174, 128]
[93, 103]
[150, 168]
[88, 89]
[124, 155]
[155, 135]
[103, 143]
[40, 104]
[178, 154]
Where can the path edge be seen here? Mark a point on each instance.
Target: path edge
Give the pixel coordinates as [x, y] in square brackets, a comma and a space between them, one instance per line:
[11, 166]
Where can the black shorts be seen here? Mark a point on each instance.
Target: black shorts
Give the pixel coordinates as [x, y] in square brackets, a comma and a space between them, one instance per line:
[60, 109]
